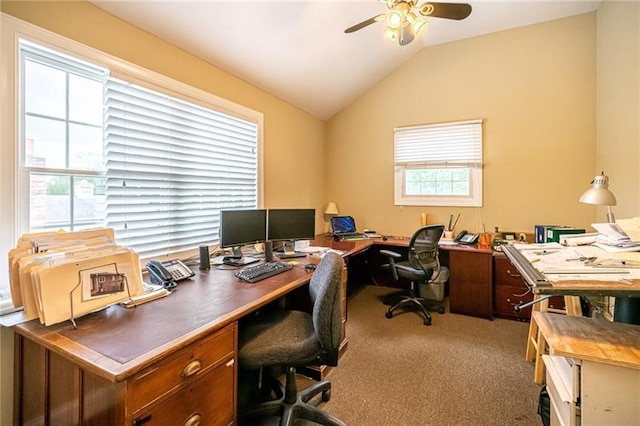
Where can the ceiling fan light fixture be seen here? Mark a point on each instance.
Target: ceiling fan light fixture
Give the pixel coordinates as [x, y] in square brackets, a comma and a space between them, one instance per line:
[417, 24]
[391, 34]
[405, 19]
[394, 19]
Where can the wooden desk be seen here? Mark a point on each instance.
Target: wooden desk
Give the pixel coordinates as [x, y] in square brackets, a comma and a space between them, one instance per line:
[593, 370]
[470, 274]
[170, 361]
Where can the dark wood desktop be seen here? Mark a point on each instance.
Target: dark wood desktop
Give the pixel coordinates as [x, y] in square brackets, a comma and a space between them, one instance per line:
[173, 360]
[169, 361]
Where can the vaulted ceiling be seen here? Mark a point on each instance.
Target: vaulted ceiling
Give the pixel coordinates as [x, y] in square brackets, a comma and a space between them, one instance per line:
[299, 52]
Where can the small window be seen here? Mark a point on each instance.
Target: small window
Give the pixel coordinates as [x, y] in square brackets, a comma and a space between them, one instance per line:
[439, 164]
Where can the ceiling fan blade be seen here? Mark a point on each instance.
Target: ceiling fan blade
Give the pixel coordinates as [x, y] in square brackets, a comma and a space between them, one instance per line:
[366, 23]
[406, 35]
[457, 11]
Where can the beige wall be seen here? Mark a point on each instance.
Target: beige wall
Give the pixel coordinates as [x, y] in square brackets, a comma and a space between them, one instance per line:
[618, 103]
[535, 89]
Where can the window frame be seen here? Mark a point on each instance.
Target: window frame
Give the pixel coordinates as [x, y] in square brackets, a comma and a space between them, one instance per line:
[475, 167]
[14, 186]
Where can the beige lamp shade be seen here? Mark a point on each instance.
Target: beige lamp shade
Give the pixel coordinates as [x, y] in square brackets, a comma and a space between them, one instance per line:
[600, 195]
[331, 208]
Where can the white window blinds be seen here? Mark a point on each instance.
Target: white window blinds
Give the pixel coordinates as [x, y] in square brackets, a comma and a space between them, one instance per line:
[457, 144]
[171, 167]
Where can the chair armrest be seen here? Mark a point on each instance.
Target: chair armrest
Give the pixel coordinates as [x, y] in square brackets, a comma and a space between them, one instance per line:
[391, 254]
[392, 264]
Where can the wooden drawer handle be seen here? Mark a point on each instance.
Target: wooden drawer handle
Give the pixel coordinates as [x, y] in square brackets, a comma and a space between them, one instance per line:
[192, 368]
[516, 275]
[193, 420]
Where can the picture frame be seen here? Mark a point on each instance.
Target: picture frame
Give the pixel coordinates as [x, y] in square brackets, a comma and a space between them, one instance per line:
[509, 236]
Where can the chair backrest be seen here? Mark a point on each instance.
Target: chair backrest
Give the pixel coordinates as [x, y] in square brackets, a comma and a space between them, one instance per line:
[423, 248]
[324, 290]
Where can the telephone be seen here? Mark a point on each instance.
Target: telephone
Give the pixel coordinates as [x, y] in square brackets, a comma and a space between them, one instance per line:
[466, 238]
[168, 273]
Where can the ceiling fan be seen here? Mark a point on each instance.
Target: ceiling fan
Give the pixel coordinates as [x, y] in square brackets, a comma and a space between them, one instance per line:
[403, 22]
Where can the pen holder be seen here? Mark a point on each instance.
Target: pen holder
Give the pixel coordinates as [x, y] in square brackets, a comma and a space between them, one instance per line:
[448, 234]
[485, 239]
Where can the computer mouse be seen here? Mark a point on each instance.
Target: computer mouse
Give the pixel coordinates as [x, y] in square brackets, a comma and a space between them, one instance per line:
[310, 267]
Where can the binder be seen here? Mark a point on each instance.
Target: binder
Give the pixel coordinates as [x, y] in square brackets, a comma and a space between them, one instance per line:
[553, 234]
[540, 232]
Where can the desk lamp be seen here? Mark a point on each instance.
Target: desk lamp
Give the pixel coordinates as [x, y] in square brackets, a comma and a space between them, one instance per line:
[600, 195]
[331, 210]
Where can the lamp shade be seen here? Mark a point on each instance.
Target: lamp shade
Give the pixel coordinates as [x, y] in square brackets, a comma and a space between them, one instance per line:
[331, 208]
[599, 194]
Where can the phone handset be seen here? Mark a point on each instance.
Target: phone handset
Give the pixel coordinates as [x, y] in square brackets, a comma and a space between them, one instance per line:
[460, 235]
[466, 238]
[159, 274]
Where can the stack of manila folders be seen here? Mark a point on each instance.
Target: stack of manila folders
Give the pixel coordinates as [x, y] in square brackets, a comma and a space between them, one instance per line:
[59, 276]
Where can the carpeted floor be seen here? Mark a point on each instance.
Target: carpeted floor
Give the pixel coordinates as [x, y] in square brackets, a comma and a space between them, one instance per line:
[458, 371]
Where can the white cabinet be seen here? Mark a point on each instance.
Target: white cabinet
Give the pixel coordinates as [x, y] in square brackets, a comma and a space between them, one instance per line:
[593, 370]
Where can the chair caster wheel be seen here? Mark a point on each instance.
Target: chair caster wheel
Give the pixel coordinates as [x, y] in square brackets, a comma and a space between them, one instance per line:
[441, 310]
[326, 395]
[427, 321]
[388, 314]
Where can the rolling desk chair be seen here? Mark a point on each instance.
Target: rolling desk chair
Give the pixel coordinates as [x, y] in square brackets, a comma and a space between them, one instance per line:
[293, 339]
[422, 267]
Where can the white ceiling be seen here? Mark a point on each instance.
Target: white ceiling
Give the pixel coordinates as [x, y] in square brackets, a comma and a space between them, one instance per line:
[299, 52]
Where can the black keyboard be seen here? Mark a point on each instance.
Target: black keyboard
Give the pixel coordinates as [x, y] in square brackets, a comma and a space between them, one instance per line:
[256, 273]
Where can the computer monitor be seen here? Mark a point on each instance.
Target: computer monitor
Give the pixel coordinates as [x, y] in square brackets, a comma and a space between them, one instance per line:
[242, 227]
[289, 225]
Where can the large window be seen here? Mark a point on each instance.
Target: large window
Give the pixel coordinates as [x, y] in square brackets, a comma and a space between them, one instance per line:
[89, 140]
[101, 151]
[439, 164]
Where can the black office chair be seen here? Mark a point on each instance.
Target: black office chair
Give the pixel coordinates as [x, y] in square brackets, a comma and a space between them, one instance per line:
[293, 339]
[422, 267]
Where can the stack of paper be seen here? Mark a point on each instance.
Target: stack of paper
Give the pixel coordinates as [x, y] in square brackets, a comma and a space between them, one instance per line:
[613, 238]
[56, 276]
[151, 292]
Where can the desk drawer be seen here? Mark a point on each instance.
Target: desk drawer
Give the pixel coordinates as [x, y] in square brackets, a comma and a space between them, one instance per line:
[183, 367]
[208, 400]
[507, 297]
[505, 274]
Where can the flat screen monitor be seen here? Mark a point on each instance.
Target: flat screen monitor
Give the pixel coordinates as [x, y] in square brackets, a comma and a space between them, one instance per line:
[289, 225]
[242, 227]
